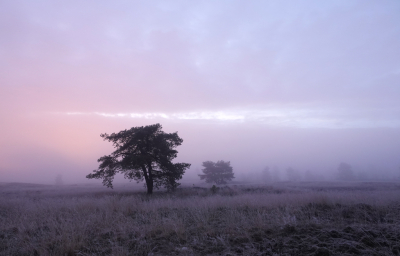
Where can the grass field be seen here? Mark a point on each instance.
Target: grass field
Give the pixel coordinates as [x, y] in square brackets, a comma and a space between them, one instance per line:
[276, 219]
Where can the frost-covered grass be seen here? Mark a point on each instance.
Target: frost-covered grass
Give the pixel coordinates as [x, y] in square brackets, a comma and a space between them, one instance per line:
[275, 219]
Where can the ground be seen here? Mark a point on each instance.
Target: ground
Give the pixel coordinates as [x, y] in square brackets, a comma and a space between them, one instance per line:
[301, 218]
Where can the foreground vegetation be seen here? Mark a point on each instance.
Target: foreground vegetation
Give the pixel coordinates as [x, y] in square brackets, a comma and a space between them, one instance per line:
[281, 219]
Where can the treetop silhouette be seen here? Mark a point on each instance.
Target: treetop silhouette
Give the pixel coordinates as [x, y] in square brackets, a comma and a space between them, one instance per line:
[219, 172]
[142, 153]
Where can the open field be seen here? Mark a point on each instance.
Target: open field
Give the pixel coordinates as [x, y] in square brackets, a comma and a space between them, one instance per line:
[276, 219]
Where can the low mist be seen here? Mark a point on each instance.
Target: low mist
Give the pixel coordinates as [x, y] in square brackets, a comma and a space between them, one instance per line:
[298, 87]
[258, 153]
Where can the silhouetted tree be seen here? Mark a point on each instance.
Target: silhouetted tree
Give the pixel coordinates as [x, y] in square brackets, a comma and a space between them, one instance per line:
[141, 153]
[219, 172]
[345, 172]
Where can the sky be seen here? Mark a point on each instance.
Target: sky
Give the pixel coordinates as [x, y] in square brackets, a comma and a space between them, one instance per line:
[301, 84]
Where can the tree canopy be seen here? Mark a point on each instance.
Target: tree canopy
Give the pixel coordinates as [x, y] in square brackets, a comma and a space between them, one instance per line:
[219, 172]
[142, 153]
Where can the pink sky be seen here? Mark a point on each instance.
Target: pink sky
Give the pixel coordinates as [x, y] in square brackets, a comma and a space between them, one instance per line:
[306, 84]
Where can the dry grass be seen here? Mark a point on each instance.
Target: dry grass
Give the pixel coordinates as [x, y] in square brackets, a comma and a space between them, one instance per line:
[281, 219]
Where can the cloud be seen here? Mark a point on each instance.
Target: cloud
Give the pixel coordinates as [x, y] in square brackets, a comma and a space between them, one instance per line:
[160, 56]
[298, 118]
[208, 66]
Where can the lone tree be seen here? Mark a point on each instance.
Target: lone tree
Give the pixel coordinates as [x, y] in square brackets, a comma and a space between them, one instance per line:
[141, 153]
[218, 172]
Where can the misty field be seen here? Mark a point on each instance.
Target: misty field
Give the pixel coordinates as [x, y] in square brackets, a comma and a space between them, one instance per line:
[277, 219]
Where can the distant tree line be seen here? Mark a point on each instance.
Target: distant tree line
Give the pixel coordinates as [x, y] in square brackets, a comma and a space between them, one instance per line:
[146, 153]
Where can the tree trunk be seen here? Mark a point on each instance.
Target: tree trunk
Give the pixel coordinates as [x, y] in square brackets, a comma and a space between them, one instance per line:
[149, 184]
[149, 180]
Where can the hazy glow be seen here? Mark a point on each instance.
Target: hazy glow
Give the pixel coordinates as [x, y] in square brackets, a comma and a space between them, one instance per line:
[276, 118]
[302, 83]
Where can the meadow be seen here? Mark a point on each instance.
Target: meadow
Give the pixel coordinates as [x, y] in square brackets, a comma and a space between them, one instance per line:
[301, 218]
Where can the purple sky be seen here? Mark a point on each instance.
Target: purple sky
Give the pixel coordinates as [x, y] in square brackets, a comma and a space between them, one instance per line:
[306, 84]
